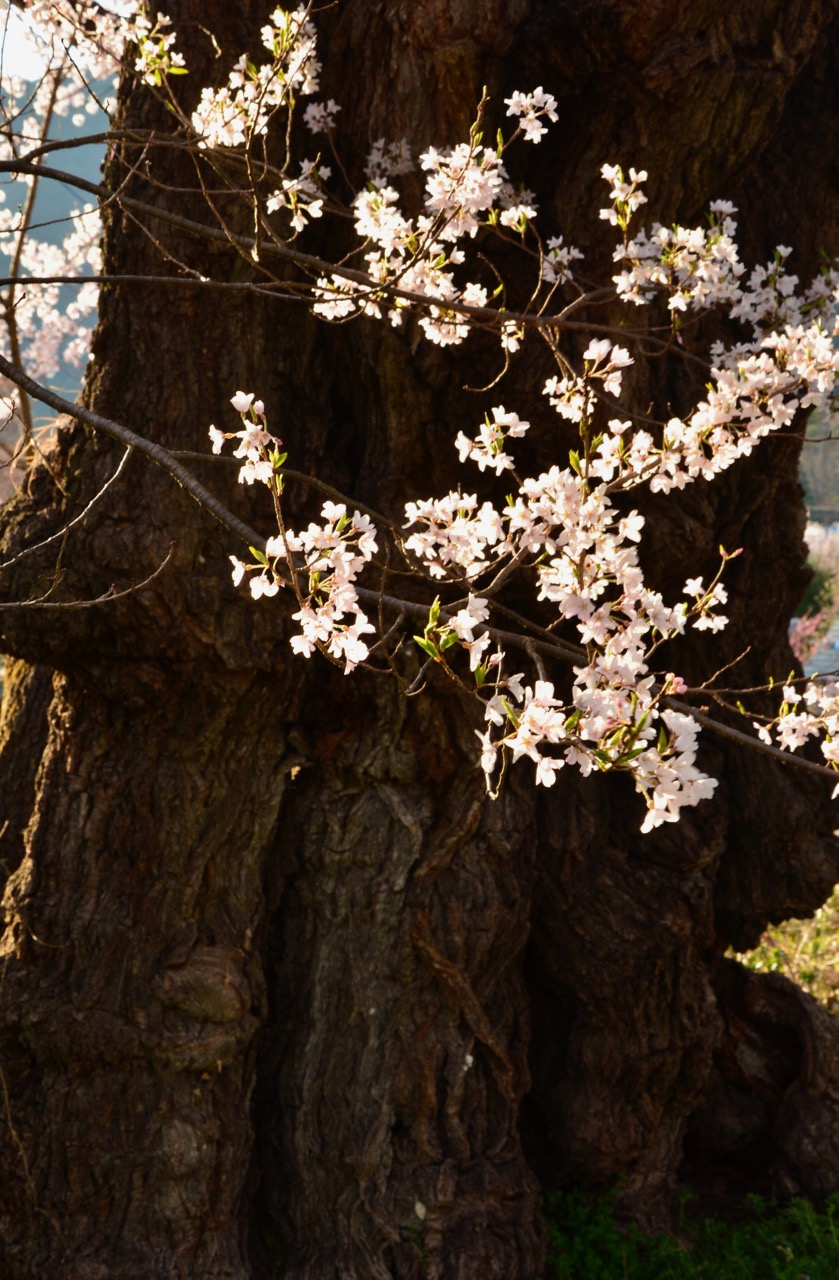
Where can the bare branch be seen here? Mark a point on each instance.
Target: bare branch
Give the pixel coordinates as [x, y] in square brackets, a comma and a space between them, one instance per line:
[62, 532]
[110, 595]
[162, 457]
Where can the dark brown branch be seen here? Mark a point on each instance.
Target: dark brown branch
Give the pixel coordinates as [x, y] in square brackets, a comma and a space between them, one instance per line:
[320, 266]
[552, 647]
[132, 440]
[106, 598]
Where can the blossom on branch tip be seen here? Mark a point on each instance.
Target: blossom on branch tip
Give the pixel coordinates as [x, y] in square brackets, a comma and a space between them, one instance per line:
[530, 109]
[320, 116]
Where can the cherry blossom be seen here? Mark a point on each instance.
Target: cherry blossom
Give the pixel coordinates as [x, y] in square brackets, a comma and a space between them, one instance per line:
[531, 109]
[328, 556]
[565, 531]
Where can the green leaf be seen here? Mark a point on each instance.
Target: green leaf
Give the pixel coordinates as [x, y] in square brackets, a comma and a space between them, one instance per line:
[427, 646]
[511, 713]
[259, 556]
[448, 639]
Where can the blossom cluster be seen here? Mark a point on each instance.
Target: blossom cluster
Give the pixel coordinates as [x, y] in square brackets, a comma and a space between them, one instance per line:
[467, 187]
[334, 551]
[79, 42]
[49, 329]
[605, 727]
[302, 196]
[42, 325]
[93, 35]
[626, 197]
[556, 261]
[581, 551]
[487, 449]
[241, 109]
[610, 723]
[809, 712]
[531, 110]
[329, 556]
[458, 535]
[808, 635]
[585, 559]
[155, 55]
[93, 39]
[695, 266]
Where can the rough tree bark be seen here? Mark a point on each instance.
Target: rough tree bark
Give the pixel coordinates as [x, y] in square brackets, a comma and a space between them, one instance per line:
[274, 970]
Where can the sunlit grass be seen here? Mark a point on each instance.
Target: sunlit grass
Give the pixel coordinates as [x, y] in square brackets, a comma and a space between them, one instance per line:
[806, 951]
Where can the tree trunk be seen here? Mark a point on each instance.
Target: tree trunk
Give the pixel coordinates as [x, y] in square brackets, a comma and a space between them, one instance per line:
[282, 992]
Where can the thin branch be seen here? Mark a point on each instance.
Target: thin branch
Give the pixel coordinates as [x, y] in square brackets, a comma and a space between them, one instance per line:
[311, 481]
[162, 457]
[550, 647]
[320, 266]
[62, 532]
[755, 744]
[267, 288]
[106, 598]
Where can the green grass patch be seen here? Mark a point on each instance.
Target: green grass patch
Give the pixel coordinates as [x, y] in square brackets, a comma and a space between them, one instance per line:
[806, 951]
[793, 1242]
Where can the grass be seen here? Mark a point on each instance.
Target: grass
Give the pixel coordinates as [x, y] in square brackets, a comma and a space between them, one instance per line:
[796, 1242]
[806, 951]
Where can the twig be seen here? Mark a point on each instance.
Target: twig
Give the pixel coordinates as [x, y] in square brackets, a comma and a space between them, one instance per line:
[60, 533]
[550, 647]
[162, 457]
[111, 594]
